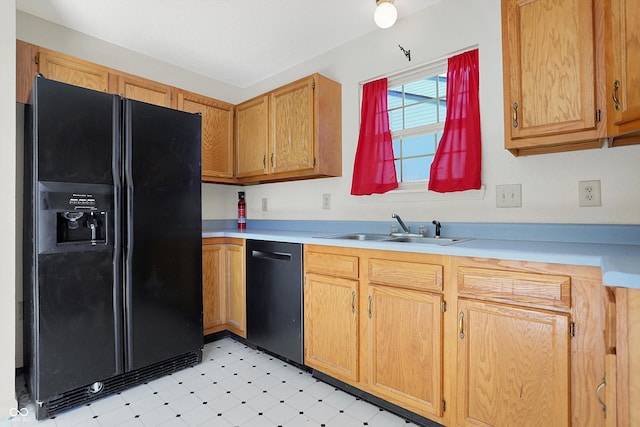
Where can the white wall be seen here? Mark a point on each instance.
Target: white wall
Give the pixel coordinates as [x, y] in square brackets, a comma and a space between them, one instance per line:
[7, 219]
[549, 182]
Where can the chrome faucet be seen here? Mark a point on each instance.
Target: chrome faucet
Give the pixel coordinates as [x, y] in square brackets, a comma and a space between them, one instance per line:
[402, 224]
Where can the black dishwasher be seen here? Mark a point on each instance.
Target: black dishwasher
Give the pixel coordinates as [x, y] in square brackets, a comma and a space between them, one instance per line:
[275, 298]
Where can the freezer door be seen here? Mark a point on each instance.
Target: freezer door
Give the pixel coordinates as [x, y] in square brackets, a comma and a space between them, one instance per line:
[163, 258]
[76, 343]
[73, 307]
[74, 132]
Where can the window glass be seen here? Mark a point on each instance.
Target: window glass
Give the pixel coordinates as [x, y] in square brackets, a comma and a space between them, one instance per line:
[417, 111]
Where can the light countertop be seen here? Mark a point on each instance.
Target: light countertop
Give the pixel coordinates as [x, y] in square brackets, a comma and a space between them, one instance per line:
[620, 263]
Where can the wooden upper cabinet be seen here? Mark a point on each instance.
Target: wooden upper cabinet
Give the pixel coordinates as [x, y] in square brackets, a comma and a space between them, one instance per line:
[67, 69]
[144, 90]
[292, 127]
[26, 69]
[551, 83]
[217, 134]
[252, 137]
[294, 132]
[623, 71]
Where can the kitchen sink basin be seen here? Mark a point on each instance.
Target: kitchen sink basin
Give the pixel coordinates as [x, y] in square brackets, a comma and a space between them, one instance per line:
[360, 236]
[397, 239]
[427, 240]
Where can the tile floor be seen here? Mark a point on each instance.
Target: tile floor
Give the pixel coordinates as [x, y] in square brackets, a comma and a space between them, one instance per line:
[234, 385]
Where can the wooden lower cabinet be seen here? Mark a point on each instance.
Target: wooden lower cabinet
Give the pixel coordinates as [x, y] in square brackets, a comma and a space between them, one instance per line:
[464, 341]
[621, 392]
[368, 324]
[513, 364]
[532, 347]
[331, 325]
[223, 286]
[405, 347]
[212, 287]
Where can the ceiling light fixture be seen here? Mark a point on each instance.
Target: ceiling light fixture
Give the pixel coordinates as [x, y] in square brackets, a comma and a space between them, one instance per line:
[385, 14]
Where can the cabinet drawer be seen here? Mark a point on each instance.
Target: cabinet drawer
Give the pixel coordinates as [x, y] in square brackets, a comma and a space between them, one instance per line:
[413, 275]
[331, 264]
[516, 286]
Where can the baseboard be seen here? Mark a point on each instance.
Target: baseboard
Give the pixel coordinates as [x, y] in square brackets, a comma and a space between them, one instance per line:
[401, 412]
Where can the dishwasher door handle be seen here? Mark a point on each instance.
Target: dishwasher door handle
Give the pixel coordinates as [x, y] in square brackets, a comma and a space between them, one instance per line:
[278, 256]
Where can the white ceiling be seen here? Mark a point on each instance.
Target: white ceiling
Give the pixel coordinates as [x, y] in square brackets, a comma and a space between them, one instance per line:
[239, 42]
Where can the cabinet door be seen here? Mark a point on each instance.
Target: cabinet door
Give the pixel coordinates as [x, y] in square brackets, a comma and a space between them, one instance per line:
[623, 65]
[292, 136]
[134, 87]
[331, 326]
[236, 294]
[549, 74]
[252, 138]
[217, 135]
[513, 365]
[26, 69]
[67, 69]
[212, 288]
[405, 347]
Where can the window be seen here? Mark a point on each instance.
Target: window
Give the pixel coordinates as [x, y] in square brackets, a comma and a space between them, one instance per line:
[417, 105]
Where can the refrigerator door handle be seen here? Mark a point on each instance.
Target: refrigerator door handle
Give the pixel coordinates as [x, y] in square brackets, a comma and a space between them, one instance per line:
[127, 218]
[116, 159]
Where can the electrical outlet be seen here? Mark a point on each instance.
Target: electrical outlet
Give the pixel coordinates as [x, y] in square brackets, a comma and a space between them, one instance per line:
[264, 204]
[509, 196]
[589, 193]
[326, 201]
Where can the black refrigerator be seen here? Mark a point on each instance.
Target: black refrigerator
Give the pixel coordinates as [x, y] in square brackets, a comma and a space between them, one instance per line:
[112, 244]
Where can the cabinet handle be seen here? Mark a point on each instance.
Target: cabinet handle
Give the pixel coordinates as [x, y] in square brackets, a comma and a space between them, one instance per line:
[369, 306]
[264, 161]
[271, 159]
[614, 94]
[353, 301]
[461, 324]
[515, 114]
[598, 390]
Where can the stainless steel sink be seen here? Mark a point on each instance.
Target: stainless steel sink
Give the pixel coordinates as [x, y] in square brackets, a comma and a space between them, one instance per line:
[359, 236]
[396, 238]
[427, 240]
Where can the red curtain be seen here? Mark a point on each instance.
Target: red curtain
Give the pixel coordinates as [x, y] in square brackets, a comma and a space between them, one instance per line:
[374, 170]
[456, 165]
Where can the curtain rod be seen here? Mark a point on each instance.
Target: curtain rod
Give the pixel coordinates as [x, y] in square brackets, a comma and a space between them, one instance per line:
[417, 67]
